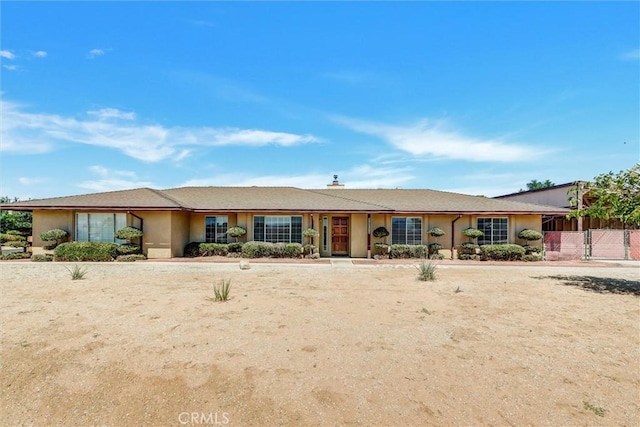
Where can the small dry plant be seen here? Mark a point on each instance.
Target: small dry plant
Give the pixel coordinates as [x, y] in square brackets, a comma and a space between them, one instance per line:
[77, 272]
[427, 271]
[221, 291]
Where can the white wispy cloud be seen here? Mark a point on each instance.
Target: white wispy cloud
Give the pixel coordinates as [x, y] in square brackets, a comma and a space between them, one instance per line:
[360, 176]
[631, 54]
[40, 54]
[112, 113]
[29, 180]
[436, 139]
[115, 129]
[11, 67]
[7, 54]
[113, 180]
[93, 53]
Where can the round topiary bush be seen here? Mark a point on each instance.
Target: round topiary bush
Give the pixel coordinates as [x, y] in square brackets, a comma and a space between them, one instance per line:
[380, 232]
[472, 233]
[128, 233]
[236, 232]
[435, 232]
[529, 235]
[55, 235]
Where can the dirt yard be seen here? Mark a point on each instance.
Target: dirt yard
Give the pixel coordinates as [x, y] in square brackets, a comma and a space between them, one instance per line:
[141, 344]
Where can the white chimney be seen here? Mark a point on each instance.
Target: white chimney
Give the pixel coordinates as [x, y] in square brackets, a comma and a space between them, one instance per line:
[335, 185]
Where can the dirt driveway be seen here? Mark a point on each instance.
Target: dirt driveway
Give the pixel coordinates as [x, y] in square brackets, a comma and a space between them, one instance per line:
[141, 344]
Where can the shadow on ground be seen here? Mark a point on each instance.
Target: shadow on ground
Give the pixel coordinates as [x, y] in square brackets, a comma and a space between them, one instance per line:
[599, 284]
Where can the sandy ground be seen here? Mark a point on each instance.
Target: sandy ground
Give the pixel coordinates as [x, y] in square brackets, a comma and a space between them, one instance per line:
[140, 344]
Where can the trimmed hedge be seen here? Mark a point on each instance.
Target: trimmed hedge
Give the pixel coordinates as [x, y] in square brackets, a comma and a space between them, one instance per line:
[271, 250]
[15, 255]
[528, 249]
[128, 249]
[508, 252]
[408, 251]
[7, 237]
[130, 258]
[192, 249]
[42, 258]
[213, 249]
[86, 251]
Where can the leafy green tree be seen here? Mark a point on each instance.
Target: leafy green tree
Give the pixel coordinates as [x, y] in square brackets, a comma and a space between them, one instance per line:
[614, 197]
[15, 220]
[534, 184]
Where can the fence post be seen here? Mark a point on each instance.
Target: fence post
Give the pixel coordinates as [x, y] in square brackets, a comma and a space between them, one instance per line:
[587, 244]
[627, 244]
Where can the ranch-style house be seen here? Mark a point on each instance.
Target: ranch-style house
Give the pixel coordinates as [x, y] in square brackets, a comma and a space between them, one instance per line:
[344, 218]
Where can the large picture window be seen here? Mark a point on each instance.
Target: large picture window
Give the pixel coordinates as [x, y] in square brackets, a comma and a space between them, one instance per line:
[277, 229]
[406, 231]
[99, 227]
[215, 229]
[496, 231]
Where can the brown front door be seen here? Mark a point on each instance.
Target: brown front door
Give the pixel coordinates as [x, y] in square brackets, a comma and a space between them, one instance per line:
[340, 235]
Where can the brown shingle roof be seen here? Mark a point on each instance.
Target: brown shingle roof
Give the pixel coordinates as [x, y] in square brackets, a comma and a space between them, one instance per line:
[291, 199]
[138, 199]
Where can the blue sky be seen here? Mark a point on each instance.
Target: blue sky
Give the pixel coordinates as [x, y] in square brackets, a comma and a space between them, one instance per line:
[470, 97]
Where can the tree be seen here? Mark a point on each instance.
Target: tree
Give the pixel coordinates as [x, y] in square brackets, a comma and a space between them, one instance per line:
[15, 220]
[613, 197]
[534, 184]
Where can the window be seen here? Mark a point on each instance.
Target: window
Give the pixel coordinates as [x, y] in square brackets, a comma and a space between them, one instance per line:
[325, 233]
[496, 231]
[99, 227]
[215, 229]
[277, 229]
[406, 231]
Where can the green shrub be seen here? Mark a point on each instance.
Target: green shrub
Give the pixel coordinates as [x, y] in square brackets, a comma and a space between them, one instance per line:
[42, 258]
[221, 293]
[435, 232]
[293, 250]
[128, 249]
[380, 232]
[508, 252]
[15, 255]
[7, 237]
[15, 233]
[271, 250]
[532, 257]
[214, 249]
[467, 257]
[192, 249]
[128, 233]
[56, 235]
[17, 244]
[310, 233]
[529, 235]
[472, 233]
[309, 249]
[528, 249]
[86, 251]
[130, 258]
[236, 232]
[235, 247]
[77, 272]
[408, 251]
[434, 248]
[256, 250]
[427, 271]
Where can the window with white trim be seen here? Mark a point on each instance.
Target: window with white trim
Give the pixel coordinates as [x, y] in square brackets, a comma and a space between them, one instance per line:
[99, 227]
[496, 231]
[215, 229]
[277, 229]
[406, 231]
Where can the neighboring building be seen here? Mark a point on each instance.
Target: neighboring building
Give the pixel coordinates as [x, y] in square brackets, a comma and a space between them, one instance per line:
[345, 218]
[570, 196]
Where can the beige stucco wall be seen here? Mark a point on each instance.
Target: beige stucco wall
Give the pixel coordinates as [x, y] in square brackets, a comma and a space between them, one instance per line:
[44, 220]
[358, 236]
[179, 233]
[157, 234]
